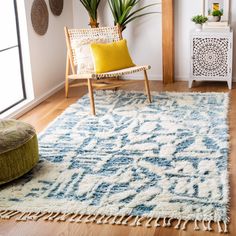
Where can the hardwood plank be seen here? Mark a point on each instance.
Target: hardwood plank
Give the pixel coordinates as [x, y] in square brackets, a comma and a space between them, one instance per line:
[168, 41]
[47, 111]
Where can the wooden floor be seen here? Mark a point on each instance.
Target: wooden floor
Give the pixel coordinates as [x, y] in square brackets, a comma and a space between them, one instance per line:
[53, 106]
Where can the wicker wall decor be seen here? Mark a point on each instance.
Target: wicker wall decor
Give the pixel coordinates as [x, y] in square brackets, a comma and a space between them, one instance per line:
[39, 16]
[56, 7]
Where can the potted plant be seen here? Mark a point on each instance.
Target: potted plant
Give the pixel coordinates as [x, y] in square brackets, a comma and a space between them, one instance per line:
[123, 11]
[199, 20]
[91, 6]
[217, 15]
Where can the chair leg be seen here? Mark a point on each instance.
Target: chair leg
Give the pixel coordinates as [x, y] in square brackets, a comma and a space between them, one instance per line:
[66, 77]
[147, 86]
[116, 88]
[90, 89]
[66, 87]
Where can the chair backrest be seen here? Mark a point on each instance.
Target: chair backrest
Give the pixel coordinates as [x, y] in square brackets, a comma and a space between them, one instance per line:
[111, 34]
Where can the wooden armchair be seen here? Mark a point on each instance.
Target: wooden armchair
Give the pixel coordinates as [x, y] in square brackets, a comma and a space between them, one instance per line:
[107, 80]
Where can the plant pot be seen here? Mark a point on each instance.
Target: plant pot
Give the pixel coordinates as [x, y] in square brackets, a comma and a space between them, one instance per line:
[120, 29]
[93, 23]
[216, 18]
[198, 27]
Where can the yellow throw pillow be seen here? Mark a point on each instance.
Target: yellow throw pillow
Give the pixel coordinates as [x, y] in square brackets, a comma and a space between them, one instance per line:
[111, 56]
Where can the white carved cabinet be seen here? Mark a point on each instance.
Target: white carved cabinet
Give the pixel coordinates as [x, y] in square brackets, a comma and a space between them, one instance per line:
[211, 56]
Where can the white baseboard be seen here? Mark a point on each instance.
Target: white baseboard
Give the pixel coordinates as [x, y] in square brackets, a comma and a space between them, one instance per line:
[21, 109]
[181, 78]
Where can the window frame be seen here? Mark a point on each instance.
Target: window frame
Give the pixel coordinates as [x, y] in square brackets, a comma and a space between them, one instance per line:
[20, 60]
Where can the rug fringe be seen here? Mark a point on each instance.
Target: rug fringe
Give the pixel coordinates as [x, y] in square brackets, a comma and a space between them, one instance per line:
[133, 221]
[178, 224]
[64, 217]
[73, 218]
[99, 222]
[148, 223]
[8, 214]
[79, 220]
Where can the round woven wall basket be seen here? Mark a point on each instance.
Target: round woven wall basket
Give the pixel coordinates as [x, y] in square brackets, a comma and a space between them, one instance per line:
[56, 7]
[39, 16]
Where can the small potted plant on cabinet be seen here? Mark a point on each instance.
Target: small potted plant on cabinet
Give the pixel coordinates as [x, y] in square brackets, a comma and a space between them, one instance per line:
[199, 20]
[216, 15]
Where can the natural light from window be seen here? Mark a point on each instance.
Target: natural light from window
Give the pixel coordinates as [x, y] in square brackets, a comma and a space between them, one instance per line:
[11, 75]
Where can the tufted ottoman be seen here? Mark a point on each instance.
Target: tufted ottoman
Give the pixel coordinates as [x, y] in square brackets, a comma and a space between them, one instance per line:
[18, 149]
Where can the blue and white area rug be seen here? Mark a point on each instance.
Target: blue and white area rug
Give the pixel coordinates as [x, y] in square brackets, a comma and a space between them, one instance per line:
[135, 163]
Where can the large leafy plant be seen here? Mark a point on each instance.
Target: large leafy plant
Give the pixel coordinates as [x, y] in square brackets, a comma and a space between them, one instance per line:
[91, 6]
[125, 11]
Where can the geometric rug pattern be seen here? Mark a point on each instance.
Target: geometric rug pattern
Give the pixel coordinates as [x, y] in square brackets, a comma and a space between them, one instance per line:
[165, 160]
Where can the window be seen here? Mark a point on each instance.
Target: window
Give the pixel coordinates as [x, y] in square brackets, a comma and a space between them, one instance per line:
[12, 89]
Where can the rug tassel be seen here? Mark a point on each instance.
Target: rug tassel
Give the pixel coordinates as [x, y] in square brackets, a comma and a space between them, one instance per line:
[184, 225]
[64, 217]
[54, 216]
[39, 215]
[156, 224]
[135, 221]
[79, 220]
[209, 226]
[21, 217]
[99, 221]
[106, 221]
[87, 219]
[219, 227]
[3, 214]
[178, 224]
[95, 218]
[119, 222]
[10, 214]
[35, 215]
[125, 222]
[164, 222]
[204, 226]
[47, 217]
[148, 224]
[29, 216]
[196, 227]
[226, 228]
[139, 222]
[73, 217]
[169, 222]
[113, 221]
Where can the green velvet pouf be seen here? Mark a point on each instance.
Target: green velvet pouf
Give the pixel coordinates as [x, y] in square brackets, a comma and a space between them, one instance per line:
[18, 149]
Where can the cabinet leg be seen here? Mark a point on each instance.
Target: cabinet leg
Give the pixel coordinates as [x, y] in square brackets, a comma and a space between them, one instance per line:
[190, 83]
[229, 84]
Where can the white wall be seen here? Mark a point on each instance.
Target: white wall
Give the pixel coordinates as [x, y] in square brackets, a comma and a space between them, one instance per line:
[44, 57]
[145, 38]
[48, 52]
[184, 10]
